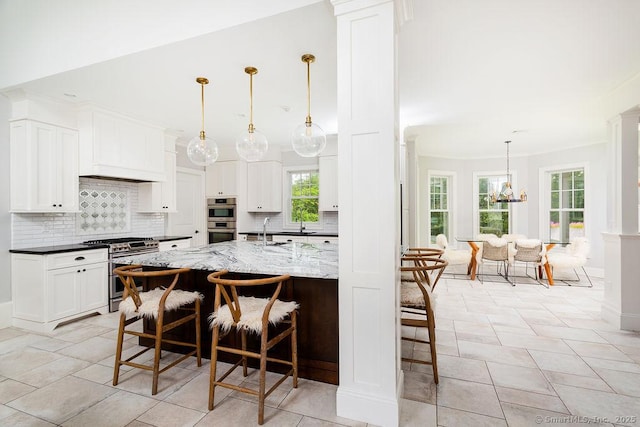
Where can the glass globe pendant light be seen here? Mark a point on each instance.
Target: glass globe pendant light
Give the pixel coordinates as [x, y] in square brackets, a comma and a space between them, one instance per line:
[308, 139]
[201, 150]
[251, 145]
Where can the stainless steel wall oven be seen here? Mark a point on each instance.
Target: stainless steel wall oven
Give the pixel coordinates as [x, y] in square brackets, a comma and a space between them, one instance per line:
[221, 219]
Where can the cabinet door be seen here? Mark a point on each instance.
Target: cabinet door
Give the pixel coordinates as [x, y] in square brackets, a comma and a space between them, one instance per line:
[289, 239]
[160, 196]
[67, 182]
[221, 179]
[328, 166]
[63, 292]
[264, 187]
[93, 286]
[43, 167]
[174, 244]
[168, 191]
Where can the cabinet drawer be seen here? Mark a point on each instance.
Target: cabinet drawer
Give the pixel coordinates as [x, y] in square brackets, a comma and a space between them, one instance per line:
[174, 244]
[70, 259]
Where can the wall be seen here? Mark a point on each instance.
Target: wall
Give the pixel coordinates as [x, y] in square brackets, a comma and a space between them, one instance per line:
[527, 170]
[44, 229]
[5, 217]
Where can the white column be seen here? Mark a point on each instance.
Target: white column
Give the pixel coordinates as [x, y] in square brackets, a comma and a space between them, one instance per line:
[621, 305]
[369, 212]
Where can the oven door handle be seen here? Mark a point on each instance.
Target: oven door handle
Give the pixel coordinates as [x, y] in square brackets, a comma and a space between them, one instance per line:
[79, 258]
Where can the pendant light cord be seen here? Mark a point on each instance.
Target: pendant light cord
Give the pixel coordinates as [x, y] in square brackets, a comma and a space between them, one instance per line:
[308, 92]
[250, 103]
[202, 109]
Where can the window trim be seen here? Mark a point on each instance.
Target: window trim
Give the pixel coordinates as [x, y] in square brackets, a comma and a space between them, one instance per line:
[286, 195]
[513, 219]
[544, 184]
[452, 199]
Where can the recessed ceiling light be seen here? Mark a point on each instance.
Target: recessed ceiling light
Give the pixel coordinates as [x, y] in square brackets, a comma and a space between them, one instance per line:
[70, 95]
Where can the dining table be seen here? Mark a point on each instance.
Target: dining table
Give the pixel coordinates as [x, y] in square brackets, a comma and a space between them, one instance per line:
[473, 264]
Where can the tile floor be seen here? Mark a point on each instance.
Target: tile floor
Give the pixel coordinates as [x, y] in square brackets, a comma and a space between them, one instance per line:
[506, 355]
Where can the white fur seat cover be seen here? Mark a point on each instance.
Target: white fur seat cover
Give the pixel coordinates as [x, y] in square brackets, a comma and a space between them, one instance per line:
[252, 309]
[151, 302]
[411, 295]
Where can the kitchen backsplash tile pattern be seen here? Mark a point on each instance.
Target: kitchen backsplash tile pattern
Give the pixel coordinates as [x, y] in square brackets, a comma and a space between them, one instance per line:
[46, 229]
[102, 211]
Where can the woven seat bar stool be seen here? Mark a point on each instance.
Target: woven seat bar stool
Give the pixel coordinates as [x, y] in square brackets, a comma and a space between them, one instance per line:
[414, 255]
[154, 305]
[246, 315]
[417, 304]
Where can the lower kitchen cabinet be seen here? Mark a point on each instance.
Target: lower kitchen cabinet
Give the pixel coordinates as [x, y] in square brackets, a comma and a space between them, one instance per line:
[174, 244]
[50, 289]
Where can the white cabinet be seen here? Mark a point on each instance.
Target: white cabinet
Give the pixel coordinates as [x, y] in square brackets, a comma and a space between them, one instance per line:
[160, 196]
[283, 238]
[322, 240]
[328, 170]
[305, 239]
[115, 146]
[174, 244]
[51, 289]
[264, 187]
[44, 167]
[225, 179]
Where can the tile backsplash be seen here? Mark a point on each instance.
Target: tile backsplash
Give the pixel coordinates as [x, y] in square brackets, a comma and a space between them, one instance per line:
[46, 229]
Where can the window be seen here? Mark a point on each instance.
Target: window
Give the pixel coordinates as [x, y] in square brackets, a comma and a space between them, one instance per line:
[566, 212]
[493, 218]
[439, 214]
[303, 193]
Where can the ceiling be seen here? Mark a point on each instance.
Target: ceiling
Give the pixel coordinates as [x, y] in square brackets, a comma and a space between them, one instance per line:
[469, 73]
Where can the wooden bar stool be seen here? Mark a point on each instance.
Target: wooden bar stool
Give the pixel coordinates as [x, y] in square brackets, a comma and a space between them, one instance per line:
[153, 305]
[251, 315]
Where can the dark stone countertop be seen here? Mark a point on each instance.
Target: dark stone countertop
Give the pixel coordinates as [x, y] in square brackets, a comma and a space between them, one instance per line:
[291, 233]
[56, 249]
[169, 238]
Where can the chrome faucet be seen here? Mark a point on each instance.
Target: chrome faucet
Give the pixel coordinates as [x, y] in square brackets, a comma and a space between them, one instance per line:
[264, 231]
[302, 227]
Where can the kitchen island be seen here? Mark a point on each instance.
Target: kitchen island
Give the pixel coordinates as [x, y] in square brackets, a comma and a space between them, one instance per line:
[313, 284]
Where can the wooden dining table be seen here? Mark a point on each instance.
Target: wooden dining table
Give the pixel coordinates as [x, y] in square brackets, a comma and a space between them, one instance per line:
[473, 264]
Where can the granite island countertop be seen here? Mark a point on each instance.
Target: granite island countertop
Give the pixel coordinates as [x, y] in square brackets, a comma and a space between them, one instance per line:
[296, 259]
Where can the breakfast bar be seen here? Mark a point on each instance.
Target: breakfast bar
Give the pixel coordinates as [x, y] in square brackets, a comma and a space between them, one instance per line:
[314, 285]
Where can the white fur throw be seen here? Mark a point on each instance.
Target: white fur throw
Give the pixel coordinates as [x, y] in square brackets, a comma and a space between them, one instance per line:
[252, 310]
[457, 256]
[151, 301]
[528, 243]
[483, 237]
[441, 241]
[411, 295]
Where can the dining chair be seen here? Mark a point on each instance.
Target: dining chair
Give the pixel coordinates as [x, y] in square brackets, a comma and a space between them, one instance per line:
[454, 256]
[574, 257]
[154, 305]
[251, 315]
[497, 251]
[417, 304]
[529, 251]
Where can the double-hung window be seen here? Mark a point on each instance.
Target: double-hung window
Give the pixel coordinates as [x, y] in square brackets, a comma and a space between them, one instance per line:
[492, 218]
[566, 204]
[439, 206]
[303, 192]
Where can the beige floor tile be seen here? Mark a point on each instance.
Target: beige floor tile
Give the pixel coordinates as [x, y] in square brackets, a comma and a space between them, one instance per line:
[448, 417]
[8, 333]
[195, 394]
[601, 351]
[613, 364]
[593, 403]
[534, 343]
[168, 415]
[576, 381]
[316, 400]
[19, 361]
[483, 339]
[59, 401]
[508, 320]
[314, 422]
[568, 333]
[82, 334]
[567, 363]
[50, 344]
[119, 409]
[533, 400]
[512, 330]
[520, 378]
[473, 328]
[139, 381]
[53, 371]
[517, 415]
[469, 396]
[420, 386]
[10, 390]
[495, 353]
[234, 413]
[464, 369]
[21, 419]
[625, 338]
[96, 373]
[275, 398]
[92, 350]
[18, 342]
[417, 413]
[626, 383]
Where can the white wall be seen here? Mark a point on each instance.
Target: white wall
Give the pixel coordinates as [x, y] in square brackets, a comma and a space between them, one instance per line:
[5, 217]
[527, 169]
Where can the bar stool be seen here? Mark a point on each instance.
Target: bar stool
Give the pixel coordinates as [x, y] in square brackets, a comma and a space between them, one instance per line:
[251, 315]
[153, 305]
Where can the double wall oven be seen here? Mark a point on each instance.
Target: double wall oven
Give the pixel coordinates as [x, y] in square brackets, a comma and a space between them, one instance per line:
[119, 248]
[221, 219]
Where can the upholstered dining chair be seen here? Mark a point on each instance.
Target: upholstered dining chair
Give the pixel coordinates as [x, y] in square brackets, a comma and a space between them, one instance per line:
[529, 251]
[251, 315]
[417, 304]
[155, 305]
[454, 256]
[574, 257]
[497, 251]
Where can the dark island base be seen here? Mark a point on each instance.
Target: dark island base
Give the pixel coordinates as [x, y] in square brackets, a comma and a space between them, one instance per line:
[317, 325]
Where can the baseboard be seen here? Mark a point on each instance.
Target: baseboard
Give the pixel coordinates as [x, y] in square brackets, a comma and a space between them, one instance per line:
[367, 408]
[630, 322]
[624, 321]
[6, 313]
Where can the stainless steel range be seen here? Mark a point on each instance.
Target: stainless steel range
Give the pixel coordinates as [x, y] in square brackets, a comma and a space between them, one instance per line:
[118, 248]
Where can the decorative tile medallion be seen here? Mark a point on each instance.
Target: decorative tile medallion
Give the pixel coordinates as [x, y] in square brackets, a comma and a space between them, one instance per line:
[103, 211]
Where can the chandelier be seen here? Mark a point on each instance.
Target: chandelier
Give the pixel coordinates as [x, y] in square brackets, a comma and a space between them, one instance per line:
[506, 193]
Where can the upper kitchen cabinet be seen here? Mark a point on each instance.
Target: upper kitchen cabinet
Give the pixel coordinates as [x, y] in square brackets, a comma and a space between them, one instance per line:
[160, 196]
[264, 187]
[328, 166]
[43, 167]
[224, 179]
[119, 147]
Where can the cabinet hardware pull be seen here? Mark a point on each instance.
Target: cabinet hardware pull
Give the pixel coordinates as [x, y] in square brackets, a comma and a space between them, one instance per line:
[84, 269]
[174, 246]
[79, 258]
